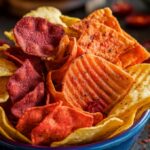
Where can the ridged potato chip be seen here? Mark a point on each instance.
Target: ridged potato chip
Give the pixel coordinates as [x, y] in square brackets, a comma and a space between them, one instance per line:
[69, 20]
[139, 94]
[85, 135]
[49, 13]
[7, 68]
[9, 129]
[3, 91]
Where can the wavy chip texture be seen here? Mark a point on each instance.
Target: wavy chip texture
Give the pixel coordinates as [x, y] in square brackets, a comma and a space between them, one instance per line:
[37, 36]
[87, 135]
[139, 92]
[95, 84]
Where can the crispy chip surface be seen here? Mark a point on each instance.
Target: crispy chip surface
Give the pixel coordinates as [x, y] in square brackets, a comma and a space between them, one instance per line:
[51, 14]
[87, 135]
[139, 92]
[10, 130]
[7, 68]
[84, 84]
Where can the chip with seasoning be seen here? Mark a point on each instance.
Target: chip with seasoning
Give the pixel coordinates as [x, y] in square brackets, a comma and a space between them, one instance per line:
[84, 84]
[88, 135]
[9, 129]
[20, 83]
[139, 91]
[37, 36]
[31, 99]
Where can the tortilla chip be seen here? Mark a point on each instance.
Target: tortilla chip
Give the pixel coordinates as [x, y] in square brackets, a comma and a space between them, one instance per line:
[69, 20]
[128, 119]
[7, 68]
[92, 134]
[139, 91]
[51, 14]
[9, 129]
[3, 91]
[9, 35]
[84, 84]
[4, 47]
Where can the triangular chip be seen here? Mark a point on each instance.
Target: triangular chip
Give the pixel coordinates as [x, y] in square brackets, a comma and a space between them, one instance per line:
[22, 81]
[139, 94]
[59, 124]
[9, 129]
[94, 84]
[133, 55]
[92, 134]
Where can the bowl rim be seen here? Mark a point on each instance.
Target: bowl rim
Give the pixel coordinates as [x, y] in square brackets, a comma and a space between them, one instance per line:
[103, 144]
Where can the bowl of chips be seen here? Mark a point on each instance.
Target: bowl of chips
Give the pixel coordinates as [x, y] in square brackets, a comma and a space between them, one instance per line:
[70, 83]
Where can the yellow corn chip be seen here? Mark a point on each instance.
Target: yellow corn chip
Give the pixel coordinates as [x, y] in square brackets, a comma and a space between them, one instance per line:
[138, 93]
[141, 111]
[128, 119]
[9, 129]
[3, 133]
[50, 13]
[9, 35]
[3, 92]
[7, 68]
[4, 47]
[86, 135]
[69, 20]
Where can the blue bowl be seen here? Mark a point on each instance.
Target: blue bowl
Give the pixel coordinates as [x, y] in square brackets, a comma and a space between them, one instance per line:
[123, 141]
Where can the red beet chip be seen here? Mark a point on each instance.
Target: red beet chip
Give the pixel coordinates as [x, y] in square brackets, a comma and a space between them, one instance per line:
[23, 81]
[138, 20]
[59, 124]
[33, 116]
[16, 55]
[31, 99]
[37, 36]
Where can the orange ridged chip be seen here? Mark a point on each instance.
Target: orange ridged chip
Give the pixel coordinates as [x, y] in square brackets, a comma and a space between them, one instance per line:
[133, 55]
[139, 94]
[95, 84]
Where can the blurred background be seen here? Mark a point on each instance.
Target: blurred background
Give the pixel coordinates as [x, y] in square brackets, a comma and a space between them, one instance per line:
[133, 15]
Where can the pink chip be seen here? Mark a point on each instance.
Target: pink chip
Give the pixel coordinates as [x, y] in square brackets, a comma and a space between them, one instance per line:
[24, 80]
[31, 99]
[37, 36]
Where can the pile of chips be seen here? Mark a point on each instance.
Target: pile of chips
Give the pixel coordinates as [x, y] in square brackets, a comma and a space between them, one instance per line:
[67, 81]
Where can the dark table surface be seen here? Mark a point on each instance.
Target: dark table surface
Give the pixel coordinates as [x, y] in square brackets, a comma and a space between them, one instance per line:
[141, 34]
